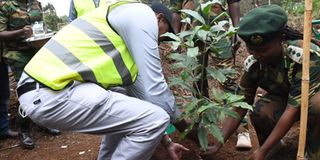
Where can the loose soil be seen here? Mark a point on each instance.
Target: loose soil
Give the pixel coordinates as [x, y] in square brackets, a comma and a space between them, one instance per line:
[71, 145]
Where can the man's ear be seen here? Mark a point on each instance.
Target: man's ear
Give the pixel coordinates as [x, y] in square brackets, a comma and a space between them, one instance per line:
[160, 17]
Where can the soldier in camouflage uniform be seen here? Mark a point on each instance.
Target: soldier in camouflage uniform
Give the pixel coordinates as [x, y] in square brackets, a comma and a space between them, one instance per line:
[16, 18]
[275, 65]
[5, 132]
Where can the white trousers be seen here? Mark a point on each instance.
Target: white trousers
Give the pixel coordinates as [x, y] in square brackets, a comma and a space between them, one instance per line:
[136, 125]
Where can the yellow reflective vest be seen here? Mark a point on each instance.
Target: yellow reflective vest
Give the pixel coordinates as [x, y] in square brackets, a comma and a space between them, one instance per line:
[86, 50]
[84, 6]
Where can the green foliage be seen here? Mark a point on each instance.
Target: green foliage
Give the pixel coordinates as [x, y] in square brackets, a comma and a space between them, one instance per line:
[51, 19]
[207, 36]
[296, 7]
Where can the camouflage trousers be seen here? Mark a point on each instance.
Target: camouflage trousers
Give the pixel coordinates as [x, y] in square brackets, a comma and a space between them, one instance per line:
[267, 112]
[17, 60]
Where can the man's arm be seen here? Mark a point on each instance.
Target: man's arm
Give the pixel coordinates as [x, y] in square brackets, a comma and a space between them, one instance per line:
[138, 26]
[282, 127]
[23, 33]
[234, 11]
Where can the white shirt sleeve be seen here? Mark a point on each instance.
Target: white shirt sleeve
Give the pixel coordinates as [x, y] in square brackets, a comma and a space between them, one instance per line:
[137, 25]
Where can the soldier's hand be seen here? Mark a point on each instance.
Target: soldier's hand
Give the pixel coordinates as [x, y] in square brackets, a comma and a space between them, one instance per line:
[26, 31]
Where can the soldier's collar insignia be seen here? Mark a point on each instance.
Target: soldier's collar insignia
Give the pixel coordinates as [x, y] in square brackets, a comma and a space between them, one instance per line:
[256, 39]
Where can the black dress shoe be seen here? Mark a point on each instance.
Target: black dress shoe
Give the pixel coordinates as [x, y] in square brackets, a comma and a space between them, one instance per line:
[26, 140]
[51, 131]
[9, 134]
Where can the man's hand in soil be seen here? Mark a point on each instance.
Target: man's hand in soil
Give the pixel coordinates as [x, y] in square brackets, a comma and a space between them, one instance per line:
[175, 150]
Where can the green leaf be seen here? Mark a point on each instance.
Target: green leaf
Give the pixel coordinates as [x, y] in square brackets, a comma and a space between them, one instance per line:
[177, 66]
[190, 106]
[232, 31]
[229, 71]
[206, 106]
[171, 35]
[174, 45]
[177, 56]
[202, 35]
[224, 45]
[216, 132]
[194, 14]
[206, 8]
[203, 138]
[216, 74]
[186, 20]
[185, 33]
[242, 105]
[210, 114]
[217, 28]
[177, 81]
[184, 75]
[193, 52]
[220, 17]
[234, 98]
[190, 42]
[218, 95]
[231, 113]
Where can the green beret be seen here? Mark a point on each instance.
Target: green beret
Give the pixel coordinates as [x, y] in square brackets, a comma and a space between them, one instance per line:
[262, 24]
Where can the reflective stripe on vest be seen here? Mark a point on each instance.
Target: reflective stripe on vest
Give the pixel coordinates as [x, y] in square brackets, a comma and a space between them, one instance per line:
[84, 6]
[85, 50]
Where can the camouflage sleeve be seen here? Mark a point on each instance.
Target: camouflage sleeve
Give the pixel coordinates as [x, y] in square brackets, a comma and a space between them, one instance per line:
[294, 98]
[248, 84]
[3, 16]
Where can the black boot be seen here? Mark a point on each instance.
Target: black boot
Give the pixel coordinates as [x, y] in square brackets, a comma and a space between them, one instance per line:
[24, 135]
[51, 131]
[26, 140]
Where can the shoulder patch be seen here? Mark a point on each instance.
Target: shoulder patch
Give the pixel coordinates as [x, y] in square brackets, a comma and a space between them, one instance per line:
[295, 53]
[249, 62]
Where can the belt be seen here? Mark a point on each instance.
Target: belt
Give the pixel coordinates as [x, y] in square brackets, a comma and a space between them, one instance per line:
[32, 86]
[28, 87]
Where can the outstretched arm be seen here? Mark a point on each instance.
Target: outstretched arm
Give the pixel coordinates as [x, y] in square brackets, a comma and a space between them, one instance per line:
[22, 33]
[282, 127]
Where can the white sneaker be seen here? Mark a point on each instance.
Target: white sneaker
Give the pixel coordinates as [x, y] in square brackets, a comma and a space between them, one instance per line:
[244, 141]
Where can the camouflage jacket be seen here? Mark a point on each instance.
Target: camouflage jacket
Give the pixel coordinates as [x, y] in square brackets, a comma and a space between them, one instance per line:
[285, 79]
[14, 15]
